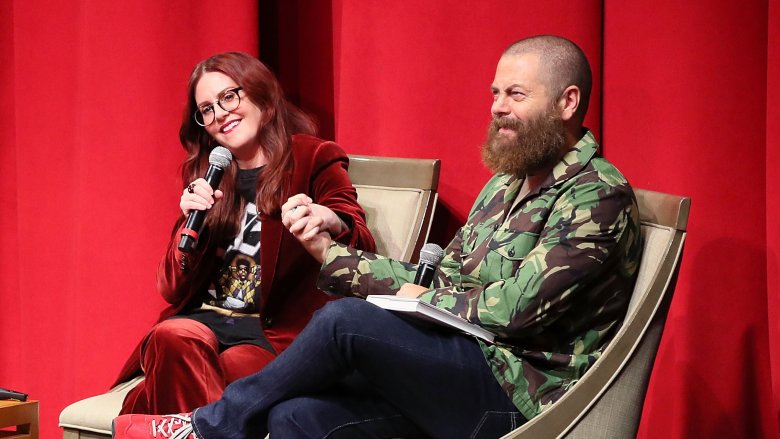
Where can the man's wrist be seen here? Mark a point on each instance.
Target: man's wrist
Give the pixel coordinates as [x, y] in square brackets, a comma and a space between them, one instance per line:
[325, 249]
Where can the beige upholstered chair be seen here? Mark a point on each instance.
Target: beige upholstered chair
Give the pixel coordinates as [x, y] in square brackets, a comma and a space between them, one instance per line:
[399, 196]
[91, 418]
[607, 402]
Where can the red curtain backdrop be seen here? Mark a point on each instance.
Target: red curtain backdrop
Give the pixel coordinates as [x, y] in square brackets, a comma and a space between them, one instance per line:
[685, 112]
[93, 95]
[772, 194]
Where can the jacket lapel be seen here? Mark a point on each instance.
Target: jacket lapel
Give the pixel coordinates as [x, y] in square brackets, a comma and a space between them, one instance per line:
[270, 243]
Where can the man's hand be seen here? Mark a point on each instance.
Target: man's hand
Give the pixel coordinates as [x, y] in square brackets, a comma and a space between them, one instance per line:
[312, 224]
[411, 290]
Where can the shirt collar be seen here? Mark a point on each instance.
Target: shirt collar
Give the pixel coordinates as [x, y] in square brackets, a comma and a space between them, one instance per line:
[574, 160]
[570, 165]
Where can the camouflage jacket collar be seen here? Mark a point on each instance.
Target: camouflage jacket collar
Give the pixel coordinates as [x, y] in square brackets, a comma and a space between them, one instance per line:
[574, 160]
[569, 166]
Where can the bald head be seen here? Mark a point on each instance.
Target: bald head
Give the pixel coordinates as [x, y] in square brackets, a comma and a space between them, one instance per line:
[562, 63]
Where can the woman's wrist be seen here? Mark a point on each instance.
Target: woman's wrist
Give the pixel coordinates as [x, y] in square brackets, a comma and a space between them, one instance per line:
[343, 224]
[338, 228]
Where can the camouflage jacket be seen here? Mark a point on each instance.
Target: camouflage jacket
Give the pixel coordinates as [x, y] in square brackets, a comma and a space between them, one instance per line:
[550, 274]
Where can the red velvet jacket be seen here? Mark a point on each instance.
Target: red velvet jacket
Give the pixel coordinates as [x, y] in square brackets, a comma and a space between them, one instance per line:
[288, 287]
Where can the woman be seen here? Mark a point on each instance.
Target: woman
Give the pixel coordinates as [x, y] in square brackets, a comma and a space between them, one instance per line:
[248, 288]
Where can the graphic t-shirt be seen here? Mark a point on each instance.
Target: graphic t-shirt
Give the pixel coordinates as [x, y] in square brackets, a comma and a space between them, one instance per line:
[238, 287]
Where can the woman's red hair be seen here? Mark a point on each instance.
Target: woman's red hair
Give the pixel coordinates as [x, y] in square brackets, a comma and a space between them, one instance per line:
[281, 120]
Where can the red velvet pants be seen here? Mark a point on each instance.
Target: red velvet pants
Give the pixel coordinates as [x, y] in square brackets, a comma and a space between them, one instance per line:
[184, 368]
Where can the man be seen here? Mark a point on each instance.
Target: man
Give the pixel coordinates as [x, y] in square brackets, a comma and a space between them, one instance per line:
[546, 260]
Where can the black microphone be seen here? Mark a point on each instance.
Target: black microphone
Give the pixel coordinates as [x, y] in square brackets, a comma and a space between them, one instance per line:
[219, 159]
[430, 257]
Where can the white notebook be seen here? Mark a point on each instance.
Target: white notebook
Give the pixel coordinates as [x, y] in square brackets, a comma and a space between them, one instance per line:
[426, 311]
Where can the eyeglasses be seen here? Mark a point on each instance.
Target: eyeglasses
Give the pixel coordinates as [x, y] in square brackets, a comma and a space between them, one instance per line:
[229, 100]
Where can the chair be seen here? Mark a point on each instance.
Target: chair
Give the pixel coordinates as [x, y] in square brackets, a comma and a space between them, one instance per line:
[607, 402]
[91, 418]
[399, 196]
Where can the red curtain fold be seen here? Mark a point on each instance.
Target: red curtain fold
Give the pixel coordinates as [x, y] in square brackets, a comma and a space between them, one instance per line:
[94, 93]
[772, 192]
[684, 112]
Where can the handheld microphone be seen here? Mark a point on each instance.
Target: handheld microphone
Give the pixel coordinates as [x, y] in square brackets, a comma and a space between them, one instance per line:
[12, 394]
[430, 257]
[219, 159]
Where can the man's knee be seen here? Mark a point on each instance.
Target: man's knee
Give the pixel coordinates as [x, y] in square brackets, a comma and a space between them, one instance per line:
[337, 417]
[292, 419]
[344, 312]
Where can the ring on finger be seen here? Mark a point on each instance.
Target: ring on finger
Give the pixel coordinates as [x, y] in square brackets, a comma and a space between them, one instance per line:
[191, 188]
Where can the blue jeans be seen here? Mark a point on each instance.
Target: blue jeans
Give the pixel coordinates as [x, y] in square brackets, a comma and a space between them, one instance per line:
[358, 371]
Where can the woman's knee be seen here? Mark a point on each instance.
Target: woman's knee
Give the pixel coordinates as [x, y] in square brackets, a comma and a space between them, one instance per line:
[176, 331]
[242, 360]
[177, 339]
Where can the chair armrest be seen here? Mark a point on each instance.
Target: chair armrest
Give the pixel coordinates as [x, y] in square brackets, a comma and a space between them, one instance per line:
[96, 413]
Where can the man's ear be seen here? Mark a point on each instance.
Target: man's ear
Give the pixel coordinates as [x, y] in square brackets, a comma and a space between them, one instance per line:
[569, 102]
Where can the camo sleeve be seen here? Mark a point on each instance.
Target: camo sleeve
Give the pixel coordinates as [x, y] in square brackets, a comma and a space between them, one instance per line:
[347, 271]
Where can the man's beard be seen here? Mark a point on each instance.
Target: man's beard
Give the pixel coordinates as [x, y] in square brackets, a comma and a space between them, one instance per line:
[536, 145]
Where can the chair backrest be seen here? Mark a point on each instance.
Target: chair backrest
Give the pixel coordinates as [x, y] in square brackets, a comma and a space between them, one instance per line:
[607, 401]
[399, 196]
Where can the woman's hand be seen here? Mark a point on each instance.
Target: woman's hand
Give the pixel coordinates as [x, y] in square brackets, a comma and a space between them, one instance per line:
[312, 224]
[198, 195]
